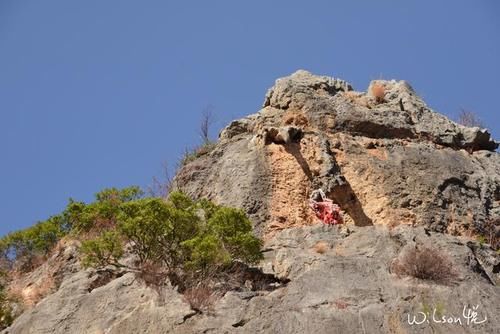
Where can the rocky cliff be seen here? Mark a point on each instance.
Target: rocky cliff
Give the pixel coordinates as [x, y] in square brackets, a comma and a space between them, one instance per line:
[403, 175]
[387, 159]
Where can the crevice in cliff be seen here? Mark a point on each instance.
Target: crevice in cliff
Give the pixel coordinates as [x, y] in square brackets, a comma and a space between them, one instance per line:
[255, 279]
[294, 150]
[374, 130]
[103, 277]
[459, 183]
[291, 179]
[240, 323]
[298, 168]
[337, 188]
[478, 264]
[349, 202]
[189, 315]
[238, 277]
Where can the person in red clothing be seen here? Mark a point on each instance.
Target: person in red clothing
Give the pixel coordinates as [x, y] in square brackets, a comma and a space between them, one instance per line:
[325, 209]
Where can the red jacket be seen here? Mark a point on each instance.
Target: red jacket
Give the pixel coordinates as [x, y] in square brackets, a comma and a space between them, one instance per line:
[328, 212]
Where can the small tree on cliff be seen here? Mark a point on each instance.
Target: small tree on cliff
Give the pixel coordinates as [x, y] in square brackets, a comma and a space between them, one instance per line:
[180, 234]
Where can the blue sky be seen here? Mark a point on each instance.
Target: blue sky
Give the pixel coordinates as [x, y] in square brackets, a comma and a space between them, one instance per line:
[98, 93]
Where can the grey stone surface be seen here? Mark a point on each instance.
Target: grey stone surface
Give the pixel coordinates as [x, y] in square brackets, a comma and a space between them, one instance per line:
[347, 288]
[398, 161]
[299, 86]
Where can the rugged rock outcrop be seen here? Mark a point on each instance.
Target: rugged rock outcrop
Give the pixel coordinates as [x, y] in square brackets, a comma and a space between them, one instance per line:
[402, 174]
[387, 160]
[344, 286]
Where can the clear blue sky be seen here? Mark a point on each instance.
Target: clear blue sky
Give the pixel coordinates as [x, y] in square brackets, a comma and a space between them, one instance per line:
[99, 93]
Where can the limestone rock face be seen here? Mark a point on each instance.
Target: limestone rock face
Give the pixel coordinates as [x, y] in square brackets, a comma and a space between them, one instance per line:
[344, 286]
[385, 159]
[404, 176]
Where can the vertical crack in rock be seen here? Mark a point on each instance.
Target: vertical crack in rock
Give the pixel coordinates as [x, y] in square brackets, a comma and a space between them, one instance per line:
[291, 185]
[294, 150]
[299, 167]
[484, 262]
[336, 187]
[389, 169]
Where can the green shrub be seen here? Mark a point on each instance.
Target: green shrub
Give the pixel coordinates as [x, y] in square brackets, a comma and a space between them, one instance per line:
[180, 234]
[118, 196]
[76, 216]
[101, 214]
[227, 237]
[207, 207]
[157, 229]
[22, 247]
[102, 251]
[206, 252]
[37, 240]
[233, 228]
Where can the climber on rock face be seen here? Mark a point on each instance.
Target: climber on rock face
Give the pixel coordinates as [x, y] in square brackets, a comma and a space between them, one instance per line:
[325, 209]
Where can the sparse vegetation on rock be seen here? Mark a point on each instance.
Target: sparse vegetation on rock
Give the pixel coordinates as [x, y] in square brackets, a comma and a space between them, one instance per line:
[425, 262]
[321, 247]
[201, 298]
[377, 90]
[490, 233]
[207, 144]
[470, 119]
[199, 151]
[6, 311]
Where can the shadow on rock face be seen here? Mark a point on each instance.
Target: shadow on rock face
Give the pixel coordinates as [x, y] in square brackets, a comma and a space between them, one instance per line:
[294, 150]
[342, 194]
[348, 201]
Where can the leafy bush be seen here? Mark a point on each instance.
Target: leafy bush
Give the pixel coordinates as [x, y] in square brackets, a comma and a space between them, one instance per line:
[105, 249]
[206, 252]
[177, 236]
[25, 246]
[101, 214]
[226, 237]
[234, 230]
[180, 234]
[156, 229]
[425, 262]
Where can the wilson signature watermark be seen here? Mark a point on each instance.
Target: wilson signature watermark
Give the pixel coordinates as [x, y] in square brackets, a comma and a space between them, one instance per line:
[470, 316]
